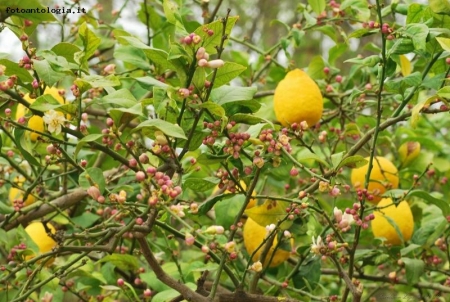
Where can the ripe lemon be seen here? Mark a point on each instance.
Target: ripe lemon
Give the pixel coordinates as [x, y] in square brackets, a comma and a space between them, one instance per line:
[15, 194]
[254, 235]
[297, 98]
[36, 122]
[408, 152]
[383, 176]
[401, 215]
[37, 233]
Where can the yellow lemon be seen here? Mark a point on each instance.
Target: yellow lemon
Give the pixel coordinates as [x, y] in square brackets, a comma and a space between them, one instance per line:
[37, 233]
[254, 234]
[401, 215]
[297, 98]
[408, 152]
[36, 123]
[383, 176]
[15, 194]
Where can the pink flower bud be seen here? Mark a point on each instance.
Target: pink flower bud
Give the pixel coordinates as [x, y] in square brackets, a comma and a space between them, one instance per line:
[216, 63]
[110, 69]
[200, 53]
[202, 63]
[94, 192]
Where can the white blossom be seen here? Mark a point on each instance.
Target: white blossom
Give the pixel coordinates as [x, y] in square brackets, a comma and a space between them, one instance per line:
[317, 245]
[54, 120]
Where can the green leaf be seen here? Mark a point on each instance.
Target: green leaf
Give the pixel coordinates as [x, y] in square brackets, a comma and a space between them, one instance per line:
[414, 269]
[444, 92]
[352, 162]
[66, 50]
[418, 13]
[362, 32]
[308, 276]
[444, 42]
[150, 126]
[429, 231]
[228, 72]
[210, 42]
[213, 108]
[412, 247]
[85, 220]
[249, 119]
[228, 94]
[441, 204]
[157, 56]
[132, 55]
[46, 73]
[85, 140]
[336, 51]
[200, 184]
[306, 155]
[401, 46]
[92, 176]
[5, 209]
[298, 36]
[170, 9]
[369, 61]
[122, 116]
[13, 68]
[121, 98]
[127, 263]
[90, 43]
[318, 6]
[89, 81]
[440, 6]
[149, 82]
[315, 68]
[31, 15]
[18, 135]
[360, 6]
[418, 33]
[209, 204]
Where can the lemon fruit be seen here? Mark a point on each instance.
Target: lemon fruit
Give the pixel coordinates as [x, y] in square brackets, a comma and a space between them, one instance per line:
[37, 233]
[36, 122]
[297, 98]
[400, 214]
[16, 194]
[408, 152]
[383, 176]
[254, 234]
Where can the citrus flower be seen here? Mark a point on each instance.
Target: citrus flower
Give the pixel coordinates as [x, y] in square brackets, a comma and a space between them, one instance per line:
[316, 246]
[54, 121]
[257, 266]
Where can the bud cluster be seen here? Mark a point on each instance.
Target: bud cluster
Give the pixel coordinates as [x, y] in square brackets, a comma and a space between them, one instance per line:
[235, 142]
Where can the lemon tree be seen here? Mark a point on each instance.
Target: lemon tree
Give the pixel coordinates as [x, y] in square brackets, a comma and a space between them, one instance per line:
[324, 124]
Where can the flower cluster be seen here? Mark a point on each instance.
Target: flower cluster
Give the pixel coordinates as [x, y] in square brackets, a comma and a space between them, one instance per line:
[235, 142]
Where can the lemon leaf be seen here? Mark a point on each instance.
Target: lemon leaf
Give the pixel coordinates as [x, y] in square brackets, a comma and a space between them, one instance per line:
[414, 269]
[441, 204]
[270, 212]
[123, 262]
[356, 161]
[306, 155]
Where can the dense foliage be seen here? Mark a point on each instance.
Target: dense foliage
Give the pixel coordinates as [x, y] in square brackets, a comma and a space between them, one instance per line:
[144, 158]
